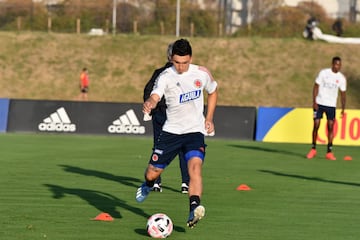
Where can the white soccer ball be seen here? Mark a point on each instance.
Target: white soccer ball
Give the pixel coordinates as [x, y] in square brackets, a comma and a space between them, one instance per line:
[159, 225]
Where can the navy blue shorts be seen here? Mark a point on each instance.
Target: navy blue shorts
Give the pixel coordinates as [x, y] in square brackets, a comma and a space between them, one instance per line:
[329, 111]
[169, 145]
[158, 120]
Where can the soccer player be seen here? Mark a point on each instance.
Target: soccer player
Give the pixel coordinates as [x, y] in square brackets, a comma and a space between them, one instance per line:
[183, 86]
[158, 117]
[325, 93]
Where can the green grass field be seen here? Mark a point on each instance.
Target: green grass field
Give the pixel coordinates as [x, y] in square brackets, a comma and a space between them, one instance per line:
[52, 185]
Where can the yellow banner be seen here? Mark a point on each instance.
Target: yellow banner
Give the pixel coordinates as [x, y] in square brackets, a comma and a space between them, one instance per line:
[296, 127]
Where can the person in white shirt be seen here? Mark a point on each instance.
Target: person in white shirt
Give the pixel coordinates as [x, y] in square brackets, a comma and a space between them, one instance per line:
[325, 93]
[158, 117]
[183, 86]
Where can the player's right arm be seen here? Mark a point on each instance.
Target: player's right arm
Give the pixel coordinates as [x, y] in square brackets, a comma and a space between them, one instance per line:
[151, 103]
[156, 94]
[343, 102]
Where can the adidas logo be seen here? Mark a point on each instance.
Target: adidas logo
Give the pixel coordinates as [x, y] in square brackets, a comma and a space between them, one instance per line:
[58, 121]
[127, 123]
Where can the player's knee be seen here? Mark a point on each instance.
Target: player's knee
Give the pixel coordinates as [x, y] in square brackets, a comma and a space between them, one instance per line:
[153, 172]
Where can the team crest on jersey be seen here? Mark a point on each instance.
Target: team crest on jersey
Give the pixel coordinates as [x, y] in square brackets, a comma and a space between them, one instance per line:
[155, 157]
[197, 83]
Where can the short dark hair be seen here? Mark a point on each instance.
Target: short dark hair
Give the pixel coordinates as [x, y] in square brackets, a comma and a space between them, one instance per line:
[181, 47]
[336, 58]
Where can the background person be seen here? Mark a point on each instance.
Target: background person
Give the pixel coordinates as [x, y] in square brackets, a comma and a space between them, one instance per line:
[183, 86]
[337, 27]
[325, 93]
[84, 85]
[158, 117]
[310, 25]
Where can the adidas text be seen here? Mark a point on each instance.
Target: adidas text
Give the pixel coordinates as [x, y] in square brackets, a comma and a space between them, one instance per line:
[57, 127]
[126, 129]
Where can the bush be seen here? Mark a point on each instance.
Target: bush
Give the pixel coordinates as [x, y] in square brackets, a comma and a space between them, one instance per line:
[95, 14]
[284, 21]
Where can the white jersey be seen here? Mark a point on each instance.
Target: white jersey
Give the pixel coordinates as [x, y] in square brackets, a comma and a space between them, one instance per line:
[329, 85]
[184, 98]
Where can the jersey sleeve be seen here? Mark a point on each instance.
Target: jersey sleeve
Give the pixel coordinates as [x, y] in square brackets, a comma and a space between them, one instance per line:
[318, 78]
[342, 86]
[211, 84]
[150, 84]
[159, 86]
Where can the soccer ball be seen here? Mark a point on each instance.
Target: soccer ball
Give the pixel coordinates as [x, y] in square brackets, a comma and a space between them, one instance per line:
[159, 225]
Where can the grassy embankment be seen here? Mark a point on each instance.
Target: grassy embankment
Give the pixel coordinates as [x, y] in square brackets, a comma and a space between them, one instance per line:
[250, 71]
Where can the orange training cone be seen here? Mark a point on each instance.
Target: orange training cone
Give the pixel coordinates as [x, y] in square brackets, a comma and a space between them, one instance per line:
[347, 158]
[243, 187]
[104, 217]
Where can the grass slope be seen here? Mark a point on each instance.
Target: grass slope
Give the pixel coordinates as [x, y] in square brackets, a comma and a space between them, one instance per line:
[51, 185]
[250, 71]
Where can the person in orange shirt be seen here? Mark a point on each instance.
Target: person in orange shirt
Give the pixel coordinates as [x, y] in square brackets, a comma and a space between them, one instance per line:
[84, 84]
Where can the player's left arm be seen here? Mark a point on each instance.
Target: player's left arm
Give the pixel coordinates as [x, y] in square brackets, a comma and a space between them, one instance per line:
[343, 101]
[211, 88]
[211, 105]
[342, 89]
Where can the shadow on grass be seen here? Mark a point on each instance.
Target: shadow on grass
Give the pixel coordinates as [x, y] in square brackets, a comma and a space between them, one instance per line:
[141, 231]
[128, 181]
[309, 178]
[104, 202]
[270, 150]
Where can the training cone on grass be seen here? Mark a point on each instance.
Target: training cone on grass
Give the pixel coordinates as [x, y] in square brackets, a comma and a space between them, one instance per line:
[243, 187]
[103, 217]
[347, 158]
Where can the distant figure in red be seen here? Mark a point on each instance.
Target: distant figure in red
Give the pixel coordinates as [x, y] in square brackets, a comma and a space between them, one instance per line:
[84, 85]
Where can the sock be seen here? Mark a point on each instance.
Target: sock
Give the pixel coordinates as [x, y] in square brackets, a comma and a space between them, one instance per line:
[313, 145]
[329, 147]
[194, 202]
[149, 183]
